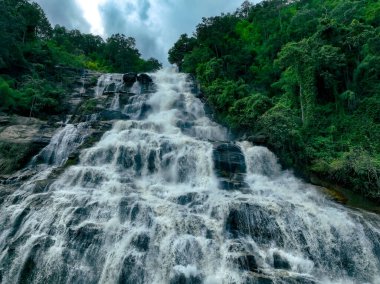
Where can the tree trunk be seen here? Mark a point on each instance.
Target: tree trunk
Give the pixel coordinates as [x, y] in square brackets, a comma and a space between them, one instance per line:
[302, 106]
[31, 108]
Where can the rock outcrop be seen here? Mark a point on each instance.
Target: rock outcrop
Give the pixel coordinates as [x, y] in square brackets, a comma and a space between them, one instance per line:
[144, 79]
[129, 79]
[20, 140]
[230, 166]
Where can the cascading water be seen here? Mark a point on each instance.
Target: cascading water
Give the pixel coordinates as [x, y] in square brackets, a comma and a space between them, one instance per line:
[115, 104]
[67, 140]
[165, 198]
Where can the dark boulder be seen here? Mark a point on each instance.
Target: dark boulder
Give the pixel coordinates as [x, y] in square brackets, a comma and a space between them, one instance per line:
[295, 279]
[141, 242]
[181, 278]
[258, 139]
[200, 95]
[247, 263]
[146, 83]
[152, 161]
[82, 237]
[79, 215]
[194, 86]
[254, 278]
[107, 114]
[132, 271]
[129, 79]
[125, 157]
[144, 79]
[228, 158]
[4, 120]
[229, 165]
[124, 98]
[280, 262]
[110, 89]
[255, 221]
[187, 198]
[31, 264]
[141, 214]
[123, 209]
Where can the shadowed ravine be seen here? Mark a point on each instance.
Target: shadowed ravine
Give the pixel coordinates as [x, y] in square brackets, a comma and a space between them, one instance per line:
[165, 197]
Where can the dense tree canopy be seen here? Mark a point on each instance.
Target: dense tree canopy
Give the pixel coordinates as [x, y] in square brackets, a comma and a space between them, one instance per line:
[30, 51]
[305, 74]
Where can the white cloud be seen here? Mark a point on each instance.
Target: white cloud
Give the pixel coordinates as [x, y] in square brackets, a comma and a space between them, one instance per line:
[155, 24]
[65, 13]
[91, 13]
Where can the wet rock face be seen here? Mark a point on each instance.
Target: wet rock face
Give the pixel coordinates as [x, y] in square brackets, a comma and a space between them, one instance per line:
[230, 167]
[254, 221]
[107, 115]
[20, 140]
[280, 262]
[83, 237]
[144, 79]
[129, 79]
[110, 89]
[31, 266]
[4, 120]
[187, 198]
[181, 278]
[258, 139]
[146, 83]
[141, 242]
[247, 262]
[132, 270]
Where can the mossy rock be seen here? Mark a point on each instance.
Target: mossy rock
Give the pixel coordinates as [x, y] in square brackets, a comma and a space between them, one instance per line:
[73, 159]
[335, 195]
[41, 185]
[92, 82]
[15, 156]
[88, 107]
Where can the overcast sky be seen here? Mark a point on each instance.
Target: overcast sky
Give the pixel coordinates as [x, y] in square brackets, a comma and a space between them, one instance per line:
[155, 24]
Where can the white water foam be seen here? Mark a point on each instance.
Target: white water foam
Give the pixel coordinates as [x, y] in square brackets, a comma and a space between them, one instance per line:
[144, 205]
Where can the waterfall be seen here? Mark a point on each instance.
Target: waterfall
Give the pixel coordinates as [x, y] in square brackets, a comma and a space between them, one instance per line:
[115, 104]
[62, 144]
[107, 81]
[166, 197]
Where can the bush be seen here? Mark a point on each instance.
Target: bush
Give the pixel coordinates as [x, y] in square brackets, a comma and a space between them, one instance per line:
[359, 170]
[245, 112]
[12, 100]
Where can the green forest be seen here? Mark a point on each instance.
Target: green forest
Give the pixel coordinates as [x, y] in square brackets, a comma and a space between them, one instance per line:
[37, 61]
[301, 76]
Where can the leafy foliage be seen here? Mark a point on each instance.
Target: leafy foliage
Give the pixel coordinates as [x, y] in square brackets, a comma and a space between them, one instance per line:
[31, 50]
[303, 73]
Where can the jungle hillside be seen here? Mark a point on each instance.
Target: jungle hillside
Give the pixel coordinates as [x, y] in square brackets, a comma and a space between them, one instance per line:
[301, 77]
[38, 62]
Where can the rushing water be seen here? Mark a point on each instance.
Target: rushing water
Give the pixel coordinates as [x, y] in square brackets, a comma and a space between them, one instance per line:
[146, 205]
[63, 143]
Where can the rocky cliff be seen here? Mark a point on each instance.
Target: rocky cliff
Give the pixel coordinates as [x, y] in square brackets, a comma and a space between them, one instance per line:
[91, 109]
